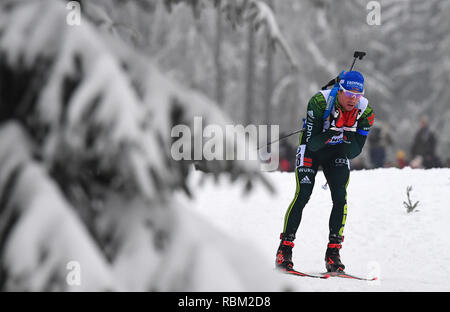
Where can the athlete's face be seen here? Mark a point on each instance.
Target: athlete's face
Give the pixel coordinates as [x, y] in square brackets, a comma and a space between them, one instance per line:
[346, 101]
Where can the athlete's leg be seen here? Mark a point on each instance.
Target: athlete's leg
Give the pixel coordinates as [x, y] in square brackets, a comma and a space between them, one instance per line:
[305, 173]
[337, 173]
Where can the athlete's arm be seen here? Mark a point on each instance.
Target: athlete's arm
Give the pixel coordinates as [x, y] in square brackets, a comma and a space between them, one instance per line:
[356, 140]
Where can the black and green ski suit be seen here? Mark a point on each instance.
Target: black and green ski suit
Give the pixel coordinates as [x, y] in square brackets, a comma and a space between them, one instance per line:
[320, 146]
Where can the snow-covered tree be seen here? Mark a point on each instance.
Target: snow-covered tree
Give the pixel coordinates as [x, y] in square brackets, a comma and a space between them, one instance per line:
[86, 172]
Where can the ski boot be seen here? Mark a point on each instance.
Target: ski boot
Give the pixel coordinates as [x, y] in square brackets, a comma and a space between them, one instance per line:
[332, 258]
[283, 259]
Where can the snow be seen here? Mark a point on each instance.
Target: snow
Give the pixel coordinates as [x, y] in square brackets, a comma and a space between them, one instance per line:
[47, 234]
[408, 252]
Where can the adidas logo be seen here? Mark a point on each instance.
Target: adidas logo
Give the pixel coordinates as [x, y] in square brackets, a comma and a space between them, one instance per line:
[305, 180]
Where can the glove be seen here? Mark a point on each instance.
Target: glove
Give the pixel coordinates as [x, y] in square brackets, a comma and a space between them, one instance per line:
[336, 130]
[350, 124]
[339, 119]
[350, 121]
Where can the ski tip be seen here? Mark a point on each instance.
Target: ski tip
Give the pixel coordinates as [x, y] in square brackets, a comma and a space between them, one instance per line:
[350, 276]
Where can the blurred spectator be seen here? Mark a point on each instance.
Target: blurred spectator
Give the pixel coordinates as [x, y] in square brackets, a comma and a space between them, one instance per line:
[378, 140]
[287, 156]
[424, 145]
[401, 159]
[358, 164]
[284, 165]
[416, 162]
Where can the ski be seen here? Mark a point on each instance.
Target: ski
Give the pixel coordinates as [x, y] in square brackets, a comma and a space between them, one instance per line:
[298, 273]
[326, 275]
[349, 276]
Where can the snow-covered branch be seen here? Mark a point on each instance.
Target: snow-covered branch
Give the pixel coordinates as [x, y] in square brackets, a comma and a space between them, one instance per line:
[40, 231]
[255, 12]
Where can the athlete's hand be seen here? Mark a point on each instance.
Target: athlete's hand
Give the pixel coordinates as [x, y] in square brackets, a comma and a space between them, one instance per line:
[350, 121]
[340, 118]
[336, 128]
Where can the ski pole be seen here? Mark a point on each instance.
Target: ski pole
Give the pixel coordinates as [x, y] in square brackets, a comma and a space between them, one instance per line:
[279, 139]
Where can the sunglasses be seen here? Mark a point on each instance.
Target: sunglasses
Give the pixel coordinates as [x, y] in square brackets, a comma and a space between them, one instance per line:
[351, 94]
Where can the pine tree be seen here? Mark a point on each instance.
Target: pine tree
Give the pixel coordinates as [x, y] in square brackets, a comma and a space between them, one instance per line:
[91, 180]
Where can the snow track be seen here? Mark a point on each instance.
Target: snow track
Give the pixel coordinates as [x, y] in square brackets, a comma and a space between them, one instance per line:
[407, 251]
